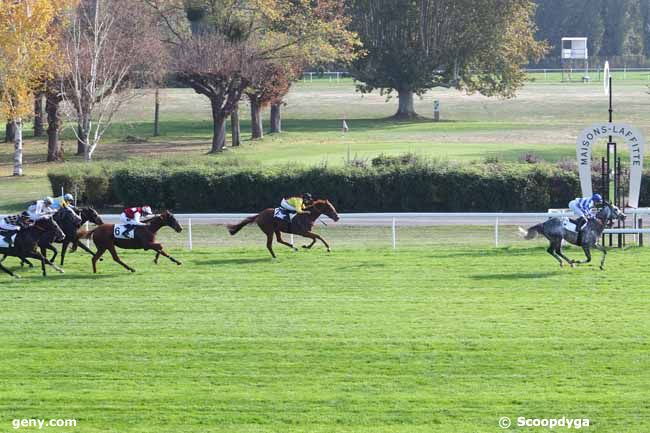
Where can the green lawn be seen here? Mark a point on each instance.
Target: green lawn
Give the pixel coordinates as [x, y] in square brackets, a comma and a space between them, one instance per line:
[360, 340]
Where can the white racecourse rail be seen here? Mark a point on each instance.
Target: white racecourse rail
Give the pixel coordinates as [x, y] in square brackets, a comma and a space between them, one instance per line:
[406, 219]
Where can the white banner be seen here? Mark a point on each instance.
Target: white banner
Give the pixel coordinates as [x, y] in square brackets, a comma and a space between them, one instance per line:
[636, 145]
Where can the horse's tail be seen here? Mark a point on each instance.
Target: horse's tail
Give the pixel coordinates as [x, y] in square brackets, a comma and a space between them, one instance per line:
[234, 228]
[532, 232]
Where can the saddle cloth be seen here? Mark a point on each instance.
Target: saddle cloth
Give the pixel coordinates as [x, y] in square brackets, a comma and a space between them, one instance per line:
[3, 243]
[568, 225]
[120, 231]
[281, 214]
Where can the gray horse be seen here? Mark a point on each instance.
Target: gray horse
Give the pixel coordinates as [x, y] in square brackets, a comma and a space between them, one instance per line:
[553, 229]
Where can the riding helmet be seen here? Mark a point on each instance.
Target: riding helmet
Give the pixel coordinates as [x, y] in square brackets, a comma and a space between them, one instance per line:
[597, 198]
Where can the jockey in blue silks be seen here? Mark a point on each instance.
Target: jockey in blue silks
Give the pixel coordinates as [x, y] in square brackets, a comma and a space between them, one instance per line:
[582, 207]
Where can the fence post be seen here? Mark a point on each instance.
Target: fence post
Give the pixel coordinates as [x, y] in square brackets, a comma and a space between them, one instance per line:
[394, 235]
[496, 232]
[189, 233]
[87, 239]
[291, 236]
[544, 74]
[640, 226]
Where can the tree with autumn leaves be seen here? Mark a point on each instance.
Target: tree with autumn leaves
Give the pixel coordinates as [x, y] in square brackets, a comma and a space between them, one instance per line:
[27, 41]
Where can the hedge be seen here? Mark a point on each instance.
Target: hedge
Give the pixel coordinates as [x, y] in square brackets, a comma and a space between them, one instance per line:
[412, 186]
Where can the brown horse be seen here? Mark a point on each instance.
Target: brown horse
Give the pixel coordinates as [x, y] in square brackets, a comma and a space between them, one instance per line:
[302, 224]
[144, 238]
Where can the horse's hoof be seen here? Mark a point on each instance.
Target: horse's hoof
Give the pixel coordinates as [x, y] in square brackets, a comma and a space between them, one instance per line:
[61, 271]
[179, 263]
[329, 250]
[294, 249]
[16, 276]
[132, 270]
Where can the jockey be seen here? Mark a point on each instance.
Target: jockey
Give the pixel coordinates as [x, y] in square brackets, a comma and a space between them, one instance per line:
[131, 217]
[581, 207]
[297, 205]
[12, 224]
[41, 209]
[65, 202]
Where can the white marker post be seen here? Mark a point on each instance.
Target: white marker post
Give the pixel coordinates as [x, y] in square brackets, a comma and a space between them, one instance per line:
[189, 233]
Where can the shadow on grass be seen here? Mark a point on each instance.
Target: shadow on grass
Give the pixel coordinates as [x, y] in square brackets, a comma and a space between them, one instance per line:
[233, 261]
[516, 276]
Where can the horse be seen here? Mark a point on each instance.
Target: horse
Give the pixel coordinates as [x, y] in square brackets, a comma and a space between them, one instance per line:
[553, 229]
[24, 245]
[70, 228]
[302, 224]
[144, 238]
[70, 224]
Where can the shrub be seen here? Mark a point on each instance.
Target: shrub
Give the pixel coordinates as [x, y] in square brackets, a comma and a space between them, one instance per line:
[402, 183]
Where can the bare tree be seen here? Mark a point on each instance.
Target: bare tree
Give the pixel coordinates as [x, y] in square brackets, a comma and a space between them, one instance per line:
[111, 48]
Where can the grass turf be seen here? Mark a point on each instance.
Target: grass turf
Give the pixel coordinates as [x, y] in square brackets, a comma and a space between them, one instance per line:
[360, 340]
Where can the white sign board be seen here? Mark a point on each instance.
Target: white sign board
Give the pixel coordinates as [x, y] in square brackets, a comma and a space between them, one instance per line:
[635, 142]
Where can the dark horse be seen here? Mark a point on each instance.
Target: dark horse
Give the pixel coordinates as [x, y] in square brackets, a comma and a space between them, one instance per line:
[144, 239]
[302, 224]
[26, 240]
[553, 229]
[70, 223]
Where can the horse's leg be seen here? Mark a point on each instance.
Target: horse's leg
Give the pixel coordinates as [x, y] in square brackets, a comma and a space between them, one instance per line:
[155, 260]
[5, 270]
[161, 251]
[113, 252]
[269, 243]
[313, 241]
[559, 252]
[51, 248]
[604, 251]
[44, 261]
[64, 248]
[551, 251]
[587, 255]
[97, 256]
[313, 237]
[278, 236]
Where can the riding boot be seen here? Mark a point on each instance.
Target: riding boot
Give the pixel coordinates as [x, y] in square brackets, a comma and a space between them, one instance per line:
[581, 223]
[8, 240]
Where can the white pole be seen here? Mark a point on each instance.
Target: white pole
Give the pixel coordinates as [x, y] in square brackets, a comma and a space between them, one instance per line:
[189, 232]
[337, 77]
[496, 233]
[88, 239]
[394, 235]
[291, 236]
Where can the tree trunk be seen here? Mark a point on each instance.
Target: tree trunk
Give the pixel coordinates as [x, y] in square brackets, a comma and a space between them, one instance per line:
[156, 117]
[276, 118]
[89, 148]
[256, 119]
[18, 146]
[235, 127]
[54, 149]
[406, 109]
[10, 132]
[81, 148]
[39, 116]
[218, 127]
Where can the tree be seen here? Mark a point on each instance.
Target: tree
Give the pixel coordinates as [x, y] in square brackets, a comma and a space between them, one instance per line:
[25, 43]
[111, 48]
[255, 32]
[269, 86]
[413, 46]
